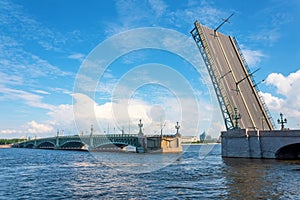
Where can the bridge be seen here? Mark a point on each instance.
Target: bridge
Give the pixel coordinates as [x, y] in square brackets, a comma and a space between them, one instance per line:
[250, 128]
[108, 142]
[232, 79]
[84, 142]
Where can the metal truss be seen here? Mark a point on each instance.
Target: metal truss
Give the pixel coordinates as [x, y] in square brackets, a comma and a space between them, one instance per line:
[224, 103]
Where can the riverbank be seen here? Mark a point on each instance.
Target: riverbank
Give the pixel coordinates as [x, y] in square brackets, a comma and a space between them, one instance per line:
[5, 146]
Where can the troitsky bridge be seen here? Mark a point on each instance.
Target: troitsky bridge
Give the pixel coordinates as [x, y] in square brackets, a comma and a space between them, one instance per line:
[250, 128]
[109, 142]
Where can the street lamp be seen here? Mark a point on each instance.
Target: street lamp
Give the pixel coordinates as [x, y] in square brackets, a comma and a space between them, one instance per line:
[282, 121]
[236, 116]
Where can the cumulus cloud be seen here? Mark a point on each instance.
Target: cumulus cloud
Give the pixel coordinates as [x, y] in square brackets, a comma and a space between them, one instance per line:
[287, 97]
[274, 103]
[62, 116]
[30, 129]
[121, 113]
[35, 128]
[284, 84]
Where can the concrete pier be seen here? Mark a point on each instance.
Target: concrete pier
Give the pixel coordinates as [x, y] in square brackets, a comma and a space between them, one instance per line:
[243, 143]
[164, 144]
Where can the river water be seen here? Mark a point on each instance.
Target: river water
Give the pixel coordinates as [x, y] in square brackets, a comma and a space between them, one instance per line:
[198, 173]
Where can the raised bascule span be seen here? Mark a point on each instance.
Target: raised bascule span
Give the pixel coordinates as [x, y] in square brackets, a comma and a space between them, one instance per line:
[250, 128]
[232, 80]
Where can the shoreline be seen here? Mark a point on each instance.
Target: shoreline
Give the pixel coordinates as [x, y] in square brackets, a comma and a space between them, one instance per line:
[5, 146]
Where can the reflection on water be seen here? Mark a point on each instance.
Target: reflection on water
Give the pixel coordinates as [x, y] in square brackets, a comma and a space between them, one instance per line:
[135, 163]
[262, 179]
[198, 173]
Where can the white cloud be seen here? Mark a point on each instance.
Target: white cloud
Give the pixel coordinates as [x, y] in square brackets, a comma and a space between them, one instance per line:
[18, 56]
[30, 129]
[253, 57]
[40, 92]
[61, 90]
[77, 56]
[133, 14]
[13, 15]
[158, 6]
[287, 100]
[120, 113]
[28, 98]
[62, 116]
[285, 85]
[7, 79]
[267, 36]
[35, 128]
[205, 12]
[274, 103]
[8, 132]
[18, 62]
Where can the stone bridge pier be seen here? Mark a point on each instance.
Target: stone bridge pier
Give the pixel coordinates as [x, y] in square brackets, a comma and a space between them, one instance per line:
[243, 143]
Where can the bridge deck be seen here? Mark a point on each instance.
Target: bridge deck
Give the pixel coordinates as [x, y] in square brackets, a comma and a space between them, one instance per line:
[230, 70]
[164, 143]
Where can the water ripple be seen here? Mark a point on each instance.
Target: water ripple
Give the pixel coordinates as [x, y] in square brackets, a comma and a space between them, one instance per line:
[45, 174]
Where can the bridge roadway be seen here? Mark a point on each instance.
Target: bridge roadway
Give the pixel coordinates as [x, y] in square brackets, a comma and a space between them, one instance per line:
[165, 143]
[230, 71]
[255, 136]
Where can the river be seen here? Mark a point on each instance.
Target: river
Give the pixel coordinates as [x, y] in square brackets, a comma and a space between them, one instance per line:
[198, 173]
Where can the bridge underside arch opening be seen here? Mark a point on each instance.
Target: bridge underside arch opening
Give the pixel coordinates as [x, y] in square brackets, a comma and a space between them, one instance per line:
[72, 145]
[289, 152]
[46, 145]
[29, 146]
[112, 146]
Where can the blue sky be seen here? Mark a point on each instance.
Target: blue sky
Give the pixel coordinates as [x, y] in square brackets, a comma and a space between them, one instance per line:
[45, 44]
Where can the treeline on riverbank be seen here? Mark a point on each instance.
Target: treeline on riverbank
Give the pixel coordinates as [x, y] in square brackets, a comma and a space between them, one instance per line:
[10, 141]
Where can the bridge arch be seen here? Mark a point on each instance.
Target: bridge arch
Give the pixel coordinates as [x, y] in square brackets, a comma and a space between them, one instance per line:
[289, 152]
[46, 145]
[29, 145]
[112, 144]
[74, 144]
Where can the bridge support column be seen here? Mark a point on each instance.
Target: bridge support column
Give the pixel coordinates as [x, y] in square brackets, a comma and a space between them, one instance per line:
[91, 145]
[35, 144]
[57, 143]
[142, 145]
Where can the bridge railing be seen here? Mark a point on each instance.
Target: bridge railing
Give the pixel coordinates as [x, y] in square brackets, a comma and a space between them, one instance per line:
[265, 107]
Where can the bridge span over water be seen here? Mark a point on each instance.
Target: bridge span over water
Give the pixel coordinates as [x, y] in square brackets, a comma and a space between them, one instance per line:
[108, 142]
[250, 128]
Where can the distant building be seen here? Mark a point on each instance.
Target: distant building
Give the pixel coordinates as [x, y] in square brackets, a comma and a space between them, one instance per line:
[189, 139]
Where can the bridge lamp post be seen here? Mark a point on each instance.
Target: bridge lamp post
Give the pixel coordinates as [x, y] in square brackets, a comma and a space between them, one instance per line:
[140, 127]
[236, 116]
[177, 126]
[282, 121]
